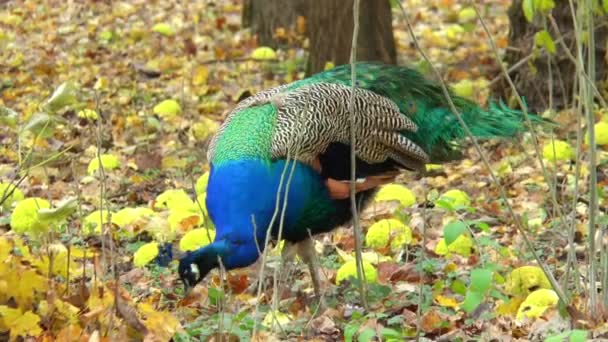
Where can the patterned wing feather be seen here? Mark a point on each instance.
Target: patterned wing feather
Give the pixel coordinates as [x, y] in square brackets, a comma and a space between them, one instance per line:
[313, 116]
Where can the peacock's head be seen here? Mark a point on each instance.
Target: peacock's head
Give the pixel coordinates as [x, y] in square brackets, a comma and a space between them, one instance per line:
[194, 266]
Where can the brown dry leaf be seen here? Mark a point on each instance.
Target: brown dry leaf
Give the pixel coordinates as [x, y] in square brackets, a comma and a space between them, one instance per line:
[222, 337]
[197, 295]
[385, 270]
[148, 160]
[301, 24]
[323, 325]
[72, 333]
[238, 283]
[433, 321]
[129, 314]
[407, 273]
[263, 336]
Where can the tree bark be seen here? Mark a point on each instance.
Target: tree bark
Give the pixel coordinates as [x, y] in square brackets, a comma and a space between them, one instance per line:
[532, 78]
[264, 17]
[330, 29]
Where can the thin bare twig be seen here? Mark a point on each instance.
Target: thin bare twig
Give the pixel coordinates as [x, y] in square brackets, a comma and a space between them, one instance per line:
[353, 156]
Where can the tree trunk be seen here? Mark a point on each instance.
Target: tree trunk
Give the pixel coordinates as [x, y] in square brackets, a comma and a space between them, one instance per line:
[330, 29]
[532, 78]
[266, 16]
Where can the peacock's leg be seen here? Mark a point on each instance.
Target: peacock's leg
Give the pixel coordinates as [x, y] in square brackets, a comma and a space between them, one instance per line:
[289, 252]
[306, 251]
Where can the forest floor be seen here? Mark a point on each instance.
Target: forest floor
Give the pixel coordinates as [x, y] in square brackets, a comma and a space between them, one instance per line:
[145, 84]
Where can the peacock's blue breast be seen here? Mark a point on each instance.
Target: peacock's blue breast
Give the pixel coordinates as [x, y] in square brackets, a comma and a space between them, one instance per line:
[242, 199]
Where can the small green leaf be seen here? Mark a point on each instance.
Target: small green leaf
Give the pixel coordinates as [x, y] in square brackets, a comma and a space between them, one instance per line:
[481, 279]
[471, 301]
[388, 333]
[453, 230]
[543, 39]
[447, 205]
[349, 331]
[366, 335]
[572, 336]
[458, 287]
[605, 5]
[578, 335]
[215, 295]
[484, 227]
[528, 7]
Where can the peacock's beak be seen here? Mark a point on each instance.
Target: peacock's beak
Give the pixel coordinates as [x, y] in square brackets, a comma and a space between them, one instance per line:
[187, 289]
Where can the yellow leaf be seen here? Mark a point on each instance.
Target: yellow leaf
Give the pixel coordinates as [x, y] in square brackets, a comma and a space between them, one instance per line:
[201, 130]
[163, 325]
[25, 219]
[456, 197]
[388, 230]
[563, 151]
[464, 88]
[201, 183]
[201, 74]
[167, 108]
[263, 53]
[164, 29]
[537, 303]
[22, 282]
[446, 301]
[108, 161]
[273, 318]
[463, 245]
[467, 14]
[173, 198]
[26, 325]
[172, 162]
[396, 192]
[92, 223]
[510, 307]
[524, 279]
[145, 254]
[349, 269]
[196, 239]
[601, 134]
[20, 325]
[88, 114]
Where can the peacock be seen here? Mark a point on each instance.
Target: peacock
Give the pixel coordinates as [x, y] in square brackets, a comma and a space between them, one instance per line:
[282, 157]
